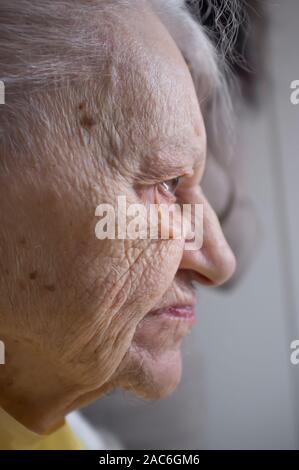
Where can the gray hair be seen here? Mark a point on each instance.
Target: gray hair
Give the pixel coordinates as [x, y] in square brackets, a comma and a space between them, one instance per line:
[45, 42]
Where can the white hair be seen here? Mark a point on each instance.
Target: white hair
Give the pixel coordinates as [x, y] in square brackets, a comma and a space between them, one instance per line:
[44, 42]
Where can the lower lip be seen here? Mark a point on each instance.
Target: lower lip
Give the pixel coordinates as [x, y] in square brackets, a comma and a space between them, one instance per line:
[183, 313]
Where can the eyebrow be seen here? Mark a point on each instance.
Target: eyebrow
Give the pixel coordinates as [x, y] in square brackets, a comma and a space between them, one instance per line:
[172, 157]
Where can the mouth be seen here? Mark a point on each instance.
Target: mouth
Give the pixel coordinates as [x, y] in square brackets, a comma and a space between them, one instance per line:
[179, 312]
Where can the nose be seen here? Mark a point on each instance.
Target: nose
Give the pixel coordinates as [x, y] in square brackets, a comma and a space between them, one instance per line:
[214, 263]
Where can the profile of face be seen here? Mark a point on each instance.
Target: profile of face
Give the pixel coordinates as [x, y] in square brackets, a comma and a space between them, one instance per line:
[81, 316]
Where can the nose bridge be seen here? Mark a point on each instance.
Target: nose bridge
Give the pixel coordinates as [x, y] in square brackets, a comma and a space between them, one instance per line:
[214, 262]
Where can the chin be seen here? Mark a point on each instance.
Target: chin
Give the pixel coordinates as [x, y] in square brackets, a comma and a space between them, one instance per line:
[152, 366]
[153, 377]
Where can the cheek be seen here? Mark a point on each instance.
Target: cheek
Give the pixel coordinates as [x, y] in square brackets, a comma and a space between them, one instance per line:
[125, 281]
[121, 279]
[99, 290]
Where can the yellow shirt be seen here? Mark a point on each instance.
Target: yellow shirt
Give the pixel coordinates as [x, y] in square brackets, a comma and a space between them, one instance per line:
[14, 436]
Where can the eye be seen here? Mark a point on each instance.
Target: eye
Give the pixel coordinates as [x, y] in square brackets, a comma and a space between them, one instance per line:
[171, 185]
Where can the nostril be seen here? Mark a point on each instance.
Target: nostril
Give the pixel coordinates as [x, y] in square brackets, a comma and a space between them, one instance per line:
[201, 279]
[216, 273]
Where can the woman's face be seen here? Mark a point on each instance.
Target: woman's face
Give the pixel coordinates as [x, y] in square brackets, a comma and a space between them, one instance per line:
[96, 314]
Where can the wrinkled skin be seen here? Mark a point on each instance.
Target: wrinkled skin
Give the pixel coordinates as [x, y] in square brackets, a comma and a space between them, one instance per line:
[74, 309]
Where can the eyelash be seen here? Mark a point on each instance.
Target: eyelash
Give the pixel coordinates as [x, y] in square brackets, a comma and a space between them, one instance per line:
[164, 187]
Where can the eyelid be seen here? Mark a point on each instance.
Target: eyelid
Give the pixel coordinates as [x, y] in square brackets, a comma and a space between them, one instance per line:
[174, 181]
[171, 197]
[154, 186]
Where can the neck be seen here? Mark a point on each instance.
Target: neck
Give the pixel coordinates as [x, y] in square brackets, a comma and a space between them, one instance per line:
[32, 388]
[36, 389]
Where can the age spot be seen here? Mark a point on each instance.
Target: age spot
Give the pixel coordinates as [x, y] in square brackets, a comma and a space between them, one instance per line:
[87, 122]
[50, 287]
[33, 275]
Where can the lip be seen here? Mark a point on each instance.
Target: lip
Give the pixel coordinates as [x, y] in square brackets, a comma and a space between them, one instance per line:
[182, 312]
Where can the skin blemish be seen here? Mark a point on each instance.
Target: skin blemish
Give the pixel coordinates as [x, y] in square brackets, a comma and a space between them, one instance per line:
[81, 106]
[87, 122]
[22, 241]
[33, 275]
[50, 287]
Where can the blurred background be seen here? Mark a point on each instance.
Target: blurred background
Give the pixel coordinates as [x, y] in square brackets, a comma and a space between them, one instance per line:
[239, 389]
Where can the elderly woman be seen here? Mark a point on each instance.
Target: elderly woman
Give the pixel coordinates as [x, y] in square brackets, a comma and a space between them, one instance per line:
[99, 103]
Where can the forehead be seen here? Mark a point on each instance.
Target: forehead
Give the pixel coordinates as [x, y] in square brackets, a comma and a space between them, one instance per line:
[154, 87]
